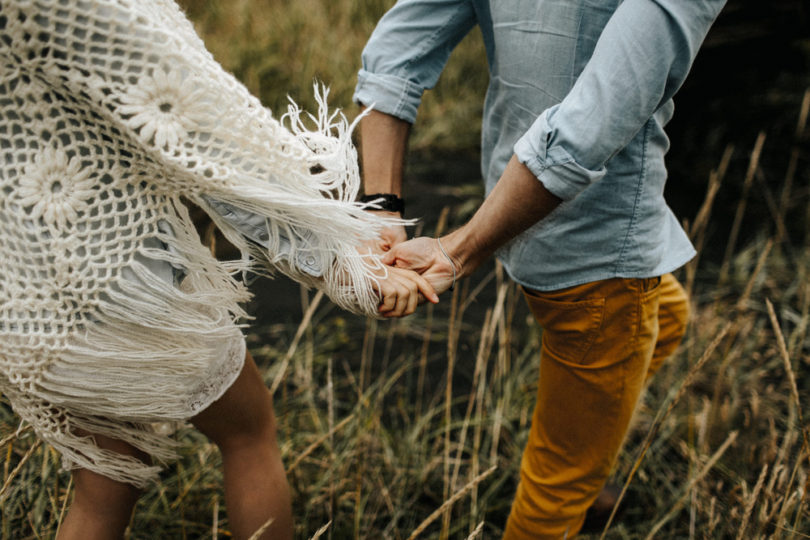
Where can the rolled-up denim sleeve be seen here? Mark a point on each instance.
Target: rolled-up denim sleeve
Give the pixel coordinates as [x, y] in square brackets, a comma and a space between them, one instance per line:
[640, 60]
[408, 51]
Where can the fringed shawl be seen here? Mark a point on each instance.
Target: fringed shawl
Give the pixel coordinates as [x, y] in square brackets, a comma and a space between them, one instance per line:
[112, 113]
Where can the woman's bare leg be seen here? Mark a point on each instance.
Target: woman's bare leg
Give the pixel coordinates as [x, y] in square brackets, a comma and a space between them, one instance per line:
[101, 507]
[242, 424]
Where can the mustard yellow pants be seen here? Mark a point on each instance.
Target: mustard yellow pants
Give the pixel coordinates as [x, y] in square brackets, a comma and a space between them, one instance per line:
[601, 342]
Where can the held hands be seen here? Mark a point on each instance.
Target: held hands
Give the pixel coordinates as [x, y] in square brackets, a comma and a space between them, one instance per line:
[425, 256]
[418, 270]
[401, 291]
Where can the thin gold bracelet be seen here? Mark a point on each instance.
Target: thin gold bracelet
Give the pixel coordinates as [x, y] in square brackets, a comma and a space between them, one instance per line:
[453, 266]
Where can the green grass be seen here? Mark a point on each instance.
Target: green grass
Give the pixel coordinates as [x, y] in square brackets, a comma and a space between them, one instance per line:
[381, 423]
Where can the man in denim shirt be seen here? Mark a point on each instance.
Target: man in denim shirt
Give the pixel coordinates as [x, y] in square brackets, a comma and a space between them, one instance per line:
[573, 151]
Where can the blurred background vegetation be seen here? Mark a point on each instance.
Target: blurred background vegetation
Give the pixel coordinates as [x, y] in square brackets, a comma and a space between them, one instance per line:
[278, 48]
[382, 423]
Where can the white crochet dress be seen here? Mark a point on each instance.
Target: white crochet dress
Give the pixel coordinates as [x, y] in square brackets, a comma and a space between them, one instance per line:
[113, 316]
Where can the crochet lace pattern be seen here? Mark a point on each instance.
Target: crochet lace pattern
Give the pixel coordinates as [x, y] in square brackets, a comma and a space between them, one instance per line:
[112, 113]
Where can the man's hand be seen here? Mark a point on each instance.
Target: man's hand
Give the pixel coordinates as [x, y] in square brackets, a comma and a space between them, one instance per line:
[401, 291]
[423, 255]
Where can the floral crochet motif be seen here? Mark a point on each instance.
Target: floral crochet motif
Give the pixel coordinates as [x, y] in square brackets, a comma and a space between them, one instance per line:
[164, 106]
[56, 188]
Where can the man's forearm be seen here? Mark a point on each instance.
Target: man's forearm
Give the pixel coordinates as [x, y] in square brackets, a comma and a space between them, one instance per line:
[517, 202]
[383, 144]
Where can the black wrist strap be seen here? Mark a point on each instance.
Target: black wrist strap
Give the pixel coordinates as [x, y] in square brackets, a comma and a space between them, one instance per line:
[384, 201]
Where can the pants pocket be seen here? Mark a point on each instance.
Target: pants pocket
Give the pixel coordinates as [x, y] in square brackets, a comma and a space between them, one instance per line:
[569, 328]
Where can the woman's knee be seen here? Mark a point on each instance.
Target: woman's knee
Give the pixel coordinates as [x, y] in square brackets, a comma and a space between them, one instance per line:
[244, 413]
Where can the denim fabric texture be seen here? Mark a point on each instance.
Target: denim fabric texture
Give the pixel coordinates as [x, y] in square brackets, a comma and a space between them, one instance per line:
[580, 91]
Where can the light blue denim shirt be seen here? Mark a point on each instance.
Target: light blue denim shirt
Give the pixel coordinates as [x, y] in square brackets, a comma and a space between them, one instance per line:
[580, 91]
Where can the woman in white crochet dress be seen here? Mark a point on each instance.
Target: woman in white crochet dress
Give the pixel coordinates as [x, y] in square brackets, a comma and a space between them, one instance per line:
[113, 316]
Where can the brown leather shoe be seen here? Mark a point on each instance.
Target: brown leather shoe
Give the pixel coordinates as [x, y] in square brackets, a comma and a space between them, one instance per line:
[598, 513]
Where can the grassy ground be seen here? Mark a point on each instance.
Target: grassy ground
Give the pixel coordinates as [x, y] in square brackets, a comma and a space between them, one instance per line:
[415, 428]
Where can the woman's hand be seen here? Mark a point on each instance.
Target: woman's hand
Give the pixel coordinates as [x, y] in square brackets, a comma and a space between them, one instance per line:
[389, 236]
[401, 291]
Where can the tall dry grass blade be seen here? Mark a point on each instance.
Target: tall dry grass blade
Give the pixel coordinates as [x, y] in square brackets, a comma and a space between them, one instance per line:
[473, 296]
[793, 532]
[795, 153]
[803, 114]
[394, 328]
[261, 530]
[484, 349]
[788, 503]
[215, 520]
[715, 180]
[15, 435]
[749, 507]
[695, 479]
[702, 445]
[659, 420]
[794, 391]
[17, 470]
[697, 232]
[478, 531]
[753, 163]
[428, 331]
[787, 186]
[797, 337]
[187, 487]
[778, 464]
[64, 507]
[499, 376]
[319, 441]
[734, 349]
[322, 530]
[452, 343]
[777, 213]
[450, 502]
[366, 353]
[441, 223]
[480, 398]
[330, 411]
[504, 329]
[294, 345]
[423, 357]
[794, 474]
[497, 421]
[742, 302]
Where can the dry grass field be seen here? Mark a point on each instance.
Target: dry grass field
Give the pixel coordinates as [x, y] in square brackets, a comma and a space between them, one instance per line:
[414, 428]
